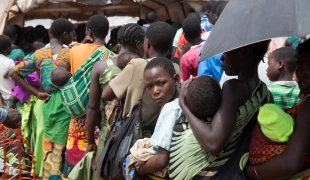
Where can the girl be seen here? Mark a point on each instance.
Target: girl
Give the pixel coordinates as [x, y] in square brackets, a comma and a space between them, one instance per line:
[161, 82]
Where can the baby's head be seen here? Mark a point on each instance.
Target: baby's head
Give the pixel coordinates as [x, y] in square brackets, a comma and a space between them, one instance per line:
[59, 77]
[124, 59]
[204, 97]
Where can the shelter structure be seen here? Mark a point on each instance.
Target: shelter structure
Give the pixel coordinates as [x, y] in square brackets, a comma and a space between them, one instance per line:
[80, 10]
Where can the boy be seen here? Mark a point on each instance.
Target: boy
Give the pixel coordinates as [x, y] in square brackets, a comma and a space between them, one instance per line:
[189, 62]
[282, 65]
[6, 85]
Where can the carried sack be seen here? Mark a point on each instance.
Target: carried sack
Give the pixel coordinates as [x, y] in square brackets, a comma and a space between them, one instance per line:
[119, 143]
[75, 93]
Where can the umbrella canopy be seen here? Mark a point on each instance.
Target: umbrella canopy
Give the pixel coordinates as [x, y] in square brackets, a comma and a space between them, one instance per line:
[244, 22]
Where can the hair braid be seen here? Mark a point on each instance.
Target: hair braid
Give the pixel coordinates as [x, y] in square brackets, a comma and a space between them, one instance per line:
[129, 34]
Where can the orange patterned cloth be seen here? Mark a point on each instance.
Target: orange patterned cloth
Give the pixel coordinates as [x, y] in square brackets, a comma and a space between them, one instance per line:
[76, 144]
[261, 148]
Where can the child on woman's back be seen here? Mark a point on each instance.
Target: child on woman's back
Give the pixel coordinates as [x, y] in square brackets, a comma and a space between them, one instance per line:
[282, 65]
[203, 98]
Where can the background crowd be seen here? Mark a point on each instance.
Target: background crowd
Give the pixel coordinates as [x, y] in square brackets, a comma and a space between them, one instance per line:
[62, 89]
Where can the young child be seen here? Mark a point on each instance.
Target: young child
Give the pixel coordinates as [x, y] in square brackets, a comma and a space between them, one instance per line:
[124, 59]
[161, 82]
[282, 65]
[270, 136]
[6, 64]
[59, 77]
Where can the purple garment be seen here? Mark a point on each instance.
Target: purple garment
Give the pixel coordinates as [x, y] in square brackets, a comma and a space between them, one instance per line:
[22, 95]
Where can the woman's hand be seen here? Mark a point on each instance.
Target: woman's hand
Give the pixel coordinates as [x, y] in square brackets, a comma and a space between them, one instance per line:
[91, 147]
[183, 91]
[43, 96]
[87, 39]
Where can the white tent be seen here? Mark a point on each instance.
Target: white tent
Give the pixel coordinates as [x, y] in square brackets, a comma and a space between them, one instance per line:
[114, 21]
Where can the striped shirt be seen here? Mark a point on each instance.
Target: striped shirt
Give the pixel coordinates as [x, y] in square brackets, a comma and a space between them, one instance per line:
[285, 93]
[3, 115]
[43, 62]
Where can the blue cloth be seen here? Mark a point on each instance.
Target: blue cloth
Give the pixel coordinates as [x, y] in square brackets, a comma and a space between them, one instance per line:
[162, 135]
[206, 24]
[16, 53]
[211, 67]
[3, 115]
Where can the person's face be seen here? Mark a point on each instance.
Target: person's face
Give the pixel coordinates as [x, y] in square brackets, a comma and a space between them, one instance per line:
[232, 62]
[146, 46]
[67, 38]
[273, 69]
[303, 72]
[160, 85]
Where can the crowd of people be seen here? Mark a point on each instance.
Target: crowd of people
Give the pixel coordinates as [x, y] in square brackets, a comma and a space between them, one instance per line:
[65, 93]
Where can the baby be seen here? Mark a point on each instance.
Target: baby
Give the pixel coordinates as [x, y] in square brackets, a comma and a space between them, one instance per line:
[60, 77]
[124, 58]
[270, 136]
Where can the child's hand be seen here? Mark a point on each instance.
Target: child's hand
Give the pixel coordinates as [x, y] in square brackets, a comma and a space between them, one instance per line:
[43, 96]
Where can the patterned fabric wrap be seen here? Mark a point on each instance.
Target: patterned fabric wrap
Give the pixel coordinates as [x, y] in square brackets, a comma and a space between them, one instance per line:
[75, 93]
[53, 157]
[76, 144]
[32, 78]
[42, 62]
[111, 111]
[261, 148]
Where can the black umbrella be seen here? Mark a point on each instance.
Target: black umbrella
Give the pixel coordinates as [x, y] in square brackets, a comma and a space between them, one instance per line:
[245, 22]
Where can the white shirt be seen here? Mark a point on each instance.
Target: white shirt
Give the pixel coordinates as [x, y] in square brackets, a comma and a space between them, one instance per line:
[6, 85]
[205, 35]
[262, 74]
[177, 37]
